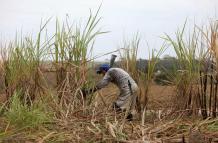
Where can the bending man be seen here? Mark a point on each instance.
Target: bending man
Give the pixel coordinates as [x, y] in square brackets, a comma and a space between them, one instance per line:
[127, 86]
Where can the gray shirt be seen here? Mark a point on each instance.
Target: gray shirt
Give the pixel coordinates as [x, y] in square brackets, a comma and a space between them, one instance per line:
[120, 78]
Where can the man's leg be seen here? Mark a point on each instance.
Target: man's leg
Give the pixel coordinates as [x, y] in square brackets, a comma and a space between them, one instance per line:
[118, 109]
[132, 104]
[127, 102]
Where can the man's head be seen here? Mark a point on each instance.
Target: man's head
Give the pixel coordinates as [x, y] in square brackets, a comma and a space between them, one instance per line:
[103, 69]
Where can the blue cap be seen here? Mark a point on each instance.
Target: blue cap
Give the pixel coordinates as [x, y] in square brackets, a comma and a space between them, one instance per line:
[103, 67]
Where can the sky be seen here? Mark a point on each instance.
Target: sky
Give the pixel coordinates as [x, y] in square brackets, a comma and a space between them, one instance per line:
[123, 18]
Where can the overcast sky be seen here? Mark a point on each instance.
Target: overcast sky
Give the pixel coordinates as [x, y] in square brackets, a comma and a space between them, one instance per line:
[151, 18]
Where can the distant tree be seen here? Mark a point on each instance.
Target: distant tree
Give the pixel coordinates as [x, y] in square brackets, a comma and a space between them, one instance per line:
[165, 57]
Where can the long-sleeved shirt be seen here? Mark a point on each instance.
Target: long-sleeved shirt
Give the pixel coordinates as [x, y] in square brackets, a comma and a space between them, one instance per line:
[121, 79]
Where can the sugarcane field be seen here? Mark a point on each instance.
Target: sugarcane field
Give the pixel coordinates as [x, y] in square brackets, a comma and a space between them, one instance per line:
[109, 71]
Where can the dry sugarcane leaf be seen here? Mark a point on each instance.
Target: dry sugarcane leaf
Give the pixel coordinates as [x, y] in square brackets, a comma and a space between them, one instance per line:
[111, 129]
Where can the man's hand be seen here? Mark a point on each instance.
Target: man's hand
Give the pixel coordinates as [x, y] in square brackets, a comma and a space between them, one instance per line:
[86, 91]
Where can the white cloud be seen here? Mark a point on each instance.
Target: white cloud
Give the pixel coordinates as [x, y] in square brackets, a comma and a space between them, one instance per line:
[149, 17]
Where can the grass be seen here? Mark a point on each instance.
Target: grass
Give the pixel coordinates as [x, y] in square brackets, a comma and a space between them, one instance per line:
[144, 79]
[191, 78]
[37, 112]
[22, 116]
[72, 48]
[21, 65]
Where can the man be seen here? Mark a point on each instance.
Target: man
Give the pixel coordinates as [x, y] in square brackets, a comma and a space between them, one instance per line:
[127, 86]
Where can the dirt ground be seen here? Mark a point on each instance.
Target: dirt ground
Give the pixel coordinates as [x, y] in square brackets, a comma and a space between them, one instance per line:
[159, 96]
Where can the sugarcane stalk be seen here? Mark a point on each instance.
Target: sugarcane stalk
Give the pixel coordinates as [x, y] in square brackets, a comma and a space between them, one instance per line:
[205, 97]
[215, 98]
[211, 91]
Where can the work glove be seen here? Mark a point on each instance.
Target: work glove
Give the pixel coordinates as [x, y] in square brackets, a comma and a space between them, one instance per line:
[87, 91]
